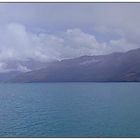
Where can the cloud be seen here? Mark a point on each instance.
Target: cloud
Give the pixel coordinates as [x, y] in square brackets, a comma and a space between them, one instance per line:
[18, 43]
[22, 68]
[122, 45]
[50, 31]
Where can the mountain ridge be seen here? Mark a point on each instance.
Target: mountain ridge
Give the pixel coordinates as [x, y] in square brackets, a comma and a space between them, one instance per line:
[115, 67]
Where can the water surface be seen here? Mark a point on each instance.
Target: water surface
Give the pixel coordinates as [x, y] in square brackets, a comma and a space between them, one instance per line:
[70, 110]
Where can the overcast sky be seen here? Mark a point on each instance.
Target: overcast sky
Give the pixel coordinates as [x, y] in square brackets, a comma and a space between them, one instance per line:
[48, 31]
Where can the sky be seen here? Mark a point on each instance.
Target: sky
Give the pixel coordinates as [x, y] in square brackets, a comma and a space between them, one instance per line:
[50, 31]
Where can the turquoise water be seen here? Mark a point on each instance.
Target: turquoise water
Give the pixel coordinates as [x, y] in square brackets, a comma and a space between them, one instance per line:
[70, 110]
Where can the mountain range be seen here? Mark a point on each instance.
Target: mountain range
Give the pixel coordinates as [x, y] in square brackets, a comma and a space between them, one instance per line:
[115, 67]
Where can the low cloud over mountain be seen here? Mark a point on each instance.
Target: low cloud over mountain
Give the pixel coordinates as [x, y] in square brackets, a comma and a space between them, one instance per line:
[46, 32]
[114, 67]
[20, 44]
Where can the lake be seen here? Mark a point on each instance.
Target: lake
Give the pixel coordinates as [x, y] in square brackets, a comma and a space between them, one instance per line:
[70, 110]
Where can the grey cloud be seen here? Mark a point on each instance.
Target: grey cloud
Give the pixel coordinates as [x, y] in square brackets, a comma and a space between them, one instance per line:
[18, 43]
[52, 31]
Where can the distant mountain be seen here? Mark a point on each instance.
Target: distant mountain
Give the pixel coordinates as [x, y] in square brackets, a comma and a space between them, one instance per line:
[14, 68]
[103, 68]
[10, 75]
[26, 65]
